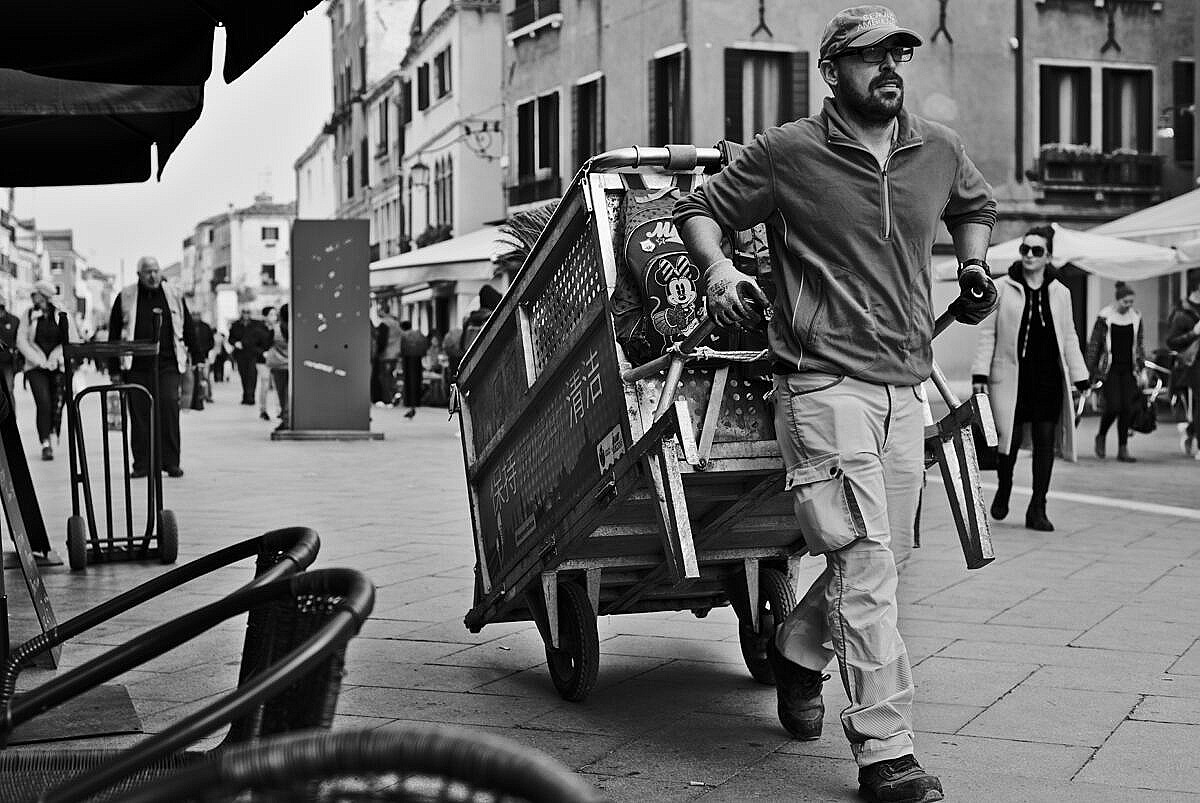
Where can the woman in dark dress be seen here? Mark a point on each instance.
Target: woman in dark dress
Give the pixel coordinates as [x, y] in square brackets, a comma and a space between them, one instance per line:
[1116, 355]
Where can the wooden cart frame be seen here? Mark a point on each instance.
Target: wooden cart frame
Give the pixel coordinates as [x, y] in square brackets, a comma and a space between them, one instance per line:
[588, 496]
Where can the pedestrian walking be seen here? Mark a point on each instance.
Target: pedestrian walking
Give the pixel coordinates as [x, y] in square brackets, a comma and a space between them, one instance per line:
[851, 341]
[1183, 336]
[243, 341]
[413, 346]
[205, 342]
[132, 318]
[1027, 359]
[220, 356]
[10, 355]
[266, 337]
[40, 338]
[277, 363]
[1116, 355]
[388, 356]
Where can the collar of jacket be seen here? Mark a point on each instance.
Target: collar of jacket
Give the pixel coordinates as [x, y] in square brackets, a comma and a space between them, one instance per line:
[1108, 313]
[1015, 275]
[837, 130]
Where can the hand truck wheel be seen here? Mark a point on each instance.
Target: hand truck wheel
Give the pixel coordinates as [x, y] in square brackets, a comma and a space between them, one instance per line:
[776, 599]
[77, 544]
[168, 536]
[575, 663]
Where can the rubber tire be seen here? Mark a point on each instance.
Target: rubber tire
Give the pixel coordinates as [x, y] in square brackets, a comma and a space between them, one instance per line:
[168, 537]
[776, 599]
[77, 544]
[576, 663]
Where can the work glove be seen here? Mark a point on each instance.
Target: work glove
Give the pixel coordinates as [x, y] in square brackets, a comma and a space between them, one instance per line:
[977, 296]
[734, 299]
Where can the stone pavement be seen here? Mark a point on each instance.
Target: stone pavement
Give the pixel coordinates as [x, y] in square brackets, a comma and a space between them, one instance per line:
[1068, 670]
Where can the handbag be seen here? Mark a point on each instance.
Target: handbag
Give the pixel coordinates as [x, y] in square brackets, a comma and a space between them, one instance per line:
[1145, 416]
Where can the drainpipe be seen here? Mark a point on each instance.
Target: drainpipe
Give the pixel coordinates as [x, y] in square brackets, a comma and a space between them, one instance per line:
[1019, 77]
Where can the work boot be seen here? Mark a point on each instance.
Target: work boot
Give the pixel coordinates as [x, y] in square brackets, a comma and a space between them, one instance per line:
[801, 709]
[1000, 502]
[900, 780]
[1100, 451]
[1124, 456]
[1035, 518]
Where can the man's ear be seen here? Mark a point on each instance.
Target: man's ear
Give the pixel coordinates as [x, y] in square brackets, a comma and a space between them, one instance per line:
[828, 73]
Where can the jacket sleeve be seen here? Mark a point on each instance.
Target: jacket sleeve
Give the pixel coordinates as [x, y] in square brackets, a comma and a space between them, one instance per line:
[739, 196]
[33, 355]
[1139, 350]
[1179, 331]
[1095, 347]
[985, 347]
[970, 198]
[1076, 366]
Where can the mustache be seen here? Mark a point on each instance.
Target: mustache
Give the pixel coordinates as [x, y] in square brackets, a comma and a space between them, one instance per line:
[887, 78]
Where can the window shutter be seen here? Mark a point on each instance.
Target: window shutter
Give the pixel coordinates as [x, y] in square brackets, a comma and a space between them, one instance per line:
[601, 105]
[1048, 89]
[685, 93]
[577, 141]
[1183, 82]
[733, 95]
[1083, 109]
[652, 117]
[798, 105]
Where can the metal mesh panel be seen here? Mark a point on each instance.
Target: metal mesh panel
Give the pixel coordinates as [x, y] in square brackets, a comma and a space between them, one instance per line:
[571, 288]
[745, 415]
[495, 388]
[562, 444]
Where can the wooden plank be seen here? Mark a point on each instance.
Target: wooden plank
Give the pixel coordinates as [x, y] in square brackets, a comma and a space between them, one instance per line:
[687, 435]
[468, 447]
[550, 595]
[592, 583]
[712, 413]
[750, 567]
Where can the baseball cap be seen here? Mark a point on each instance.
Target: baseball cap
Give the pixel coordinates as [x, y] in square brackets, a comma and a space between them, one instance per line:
[863, 26]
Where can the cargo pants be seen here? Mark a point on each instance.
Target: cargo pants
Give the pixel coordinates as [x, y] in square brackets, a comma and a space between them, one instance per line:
[854, 455]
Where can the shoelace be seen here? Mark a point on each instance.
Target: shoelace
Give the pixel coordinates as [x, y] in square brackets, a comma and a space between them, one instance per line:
[903, 764]
[813, 687]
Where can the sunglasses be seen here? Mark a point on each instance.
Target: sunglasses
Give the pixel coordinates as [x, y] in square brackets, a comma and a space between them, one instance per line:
[877, 53]
[1035, 250]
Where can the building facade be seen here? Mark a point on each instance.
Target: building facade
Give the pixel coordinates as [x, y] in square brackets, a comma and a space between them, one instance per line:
[316, 184]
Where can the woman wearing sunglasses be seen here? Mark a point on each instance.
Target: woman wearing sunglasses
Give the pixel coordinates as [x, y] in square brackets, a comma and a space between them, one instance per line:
[1116, 354]
[1027, 359]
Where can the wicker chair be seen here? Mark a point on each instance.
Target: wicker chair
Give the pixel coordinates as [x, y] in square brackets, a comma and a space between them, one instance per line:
[414, 763]
[291, 682]
[280, 553]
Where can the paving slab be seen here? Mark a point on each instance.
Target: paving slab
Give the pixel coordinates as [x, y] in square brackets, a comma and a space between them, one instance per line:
[1054, 716]
[1147, 755]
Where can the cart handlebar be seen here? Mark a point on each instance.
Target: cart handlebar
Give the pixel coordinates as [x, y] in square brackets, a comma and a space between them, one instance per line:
[671, 157]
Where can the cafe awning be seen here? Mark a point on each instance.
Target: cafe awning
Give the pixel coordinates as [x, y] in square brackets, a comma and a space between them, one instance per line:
[460, 258]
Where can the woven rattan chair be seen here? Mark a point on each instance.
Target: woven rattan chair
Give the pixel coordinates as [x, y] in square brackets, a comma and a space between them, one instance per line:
[413, 763]
[290, 682]
[280, 553]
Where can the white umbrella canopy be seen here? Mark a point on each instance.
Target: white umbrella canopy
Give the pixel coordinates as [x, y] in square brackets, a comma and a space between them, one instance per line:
[1110, 257]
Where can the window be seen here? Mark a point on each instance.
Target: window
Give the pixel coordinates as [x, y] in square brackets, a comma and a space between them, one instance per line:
[405, 102]
[763, 89]
[364, 168]
[270, 232]
[668, 84]
[1184, 104]
[441, 70]
[1066, 105]
[347, 84]
[362, 66]
[1128, 116]
[268, 276]
[589, 120]
[220, 275]
[211, 235]
[350, 175]
[57, 266]
[443, 192]
[423, 86]
[537, 136]
[381, 143]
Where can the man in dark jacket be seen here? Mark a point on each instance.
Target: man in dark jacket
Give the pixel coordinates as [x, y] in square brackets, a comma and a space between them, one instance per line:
[1183, 336]
[250, 339]
[851, 198]
[413, 346]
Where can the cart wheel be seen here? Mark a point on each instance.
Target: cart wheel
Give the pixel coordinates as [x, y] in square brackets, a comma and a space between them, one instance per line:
[76, 544]
[576, 662]
[168, 536]
[776, 598]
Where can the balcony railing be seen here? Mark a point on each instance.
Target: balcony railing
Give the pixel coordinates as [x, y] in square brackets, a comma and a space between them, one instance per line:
[528, 12]
[529, 189]
[1065, 172]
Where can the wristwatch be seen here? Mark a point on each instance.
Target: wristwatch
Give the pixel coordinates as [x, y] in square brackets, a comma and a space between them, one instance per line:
[975, 261]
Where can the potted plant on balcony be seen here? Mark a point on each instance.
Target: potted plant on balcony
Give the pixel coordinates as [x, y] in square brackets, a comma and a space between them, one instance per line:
[1068, 163]
[1127, 166]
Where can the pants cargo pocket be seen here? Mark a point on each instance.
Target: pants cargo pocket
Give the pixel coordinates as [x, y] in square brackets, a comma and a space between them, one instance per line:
[826, 508]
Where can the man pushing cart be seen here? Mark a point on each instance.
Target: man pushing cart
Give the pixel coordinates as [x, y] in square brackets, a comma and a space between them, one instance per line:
[851, 198]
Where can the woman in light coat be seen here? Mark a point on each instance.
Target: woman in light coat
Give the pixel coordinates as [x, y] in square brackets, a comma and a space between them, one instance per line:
[1027, 360]
[40, 339]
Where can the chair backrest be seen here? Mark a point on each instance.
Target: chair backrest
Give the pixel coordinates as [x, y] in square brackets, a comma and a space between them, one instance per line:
[281, 553]
[322, 766]
[298, 688]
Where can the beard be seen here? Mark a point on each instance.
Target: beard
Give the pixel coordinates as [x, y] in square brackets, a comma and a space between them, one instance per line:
[869, 106]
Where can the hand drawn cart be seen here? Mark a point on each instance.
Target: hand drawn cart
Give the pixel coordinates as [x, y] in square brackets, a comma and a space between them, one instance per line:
[593, 495]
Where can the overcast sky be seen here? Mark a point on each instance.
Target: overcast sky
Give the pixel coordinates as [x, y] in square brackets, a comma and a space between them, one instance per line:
[245, 142]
